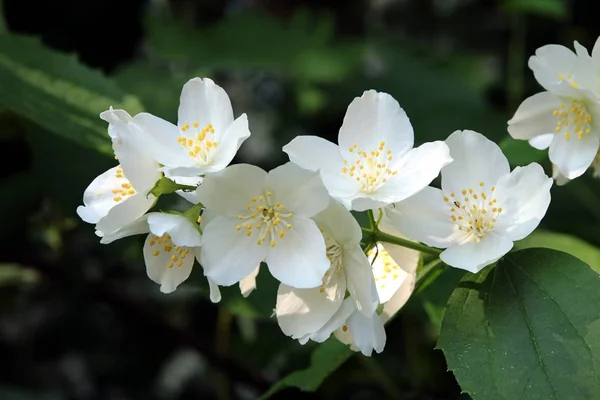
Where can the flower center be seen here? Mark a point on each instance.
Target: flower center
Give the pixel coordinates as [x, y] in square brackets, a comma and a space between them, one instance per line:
[385, 268]
[477, 215]
[370, 168]
[265, 218]
[125, 189]
[334, 254]
[573, 119]
[569, 79]
[164, 244]
[199, 143]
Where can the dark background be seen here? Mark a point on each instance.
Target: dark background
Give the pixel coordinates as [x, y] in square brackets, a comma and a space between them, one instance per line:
[79, 320]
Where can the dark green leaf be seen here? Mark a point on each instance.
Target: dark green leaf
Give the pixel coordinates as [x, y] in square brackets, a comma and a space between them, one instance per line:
[57, 92]
[549, 8]
[519, 152]
[527, 329]
[326, 358]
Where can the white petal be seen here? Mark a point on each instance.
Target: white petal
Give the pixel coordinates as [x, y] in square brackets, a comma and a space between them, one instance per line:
[248, 284]
[360, 281]
[301, 191]
[229, 191]
[535, 117]
[98, 196]
[215, 293]
[305, 311]
[204, 102]
[158, 138]
[338, 319]
[558, 177]
[158, 269]
[473, 257]
[424, 217]
[232, 139]
[228, 255]
[416, 170]
[114, 117]
[541, 142]
[338, 223]
[317, 154]
[525, 196]
[388, 274]
[399, 298]
[181, 230]
[299, 259]
[374, 118]
[574, 156]
[549, 62]
[136, 227]
[368, 333]
[125, 212]
[476, 159]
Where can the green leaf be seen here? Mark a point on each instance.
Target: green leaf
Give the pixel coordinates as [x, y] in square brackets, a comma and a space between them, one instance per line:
[519, 152]
[527, 329]
[166, 186]
[550, 8]
[325, 359]
[57, 92]
[581, 249]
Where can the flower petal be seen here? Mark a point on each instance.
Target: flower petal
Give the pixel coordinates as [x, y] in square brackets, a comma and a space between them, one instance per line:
[98, 197]
[338, 223]
[368, 333]
[299, 190]
[558, 177]
[550, 63]
[360, 281]
[248, 284]
[181, 230]
[535, 116]
[215, 293]
[399, 298]
[136, 227]
[127, 211]
[228, 255]
[473, 257]
[541, 142]
[232, 139]
[227, 192]
[338, 319]
[299, 259]
[424, 217]
[525, 196]
[317, 154]
[374, 118]
[157, 267]
[205, 102]
[476, 159]
[574, 156]
[305, 311]
[416, 170]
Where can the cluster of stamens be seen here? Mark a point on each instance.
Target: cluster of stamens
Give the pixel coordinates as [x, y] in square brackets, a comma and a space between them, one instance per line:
[384, 266]
[370, 168]
[573, 119]
[198, 142]
[266, 218]
[125, 190]
[476, 214]
[165, 244]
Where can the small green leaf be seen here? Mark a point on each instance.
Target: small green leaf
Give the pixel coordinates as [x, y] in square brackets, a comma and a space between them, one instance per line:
[57, 92]
[527, 329]
[581, 249]
[519, 152]
[325, 359]
[166, 186]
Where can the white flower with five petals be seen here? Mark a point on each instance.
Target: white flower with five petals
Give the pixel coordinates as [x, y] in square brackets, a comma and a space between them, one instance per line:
[304, 311]
[375, 163]
[119, 196]
[482, 207]
[257, 216]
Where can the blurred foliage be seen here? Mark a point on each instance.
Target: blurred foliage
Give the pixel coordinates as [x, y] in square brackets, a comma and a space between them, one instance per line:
[70, 306]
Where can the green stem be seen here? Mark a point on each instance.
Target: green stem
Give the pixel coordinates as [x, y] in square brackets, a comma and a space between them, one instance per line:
[425, 273]
[372, 222]
[384, 237]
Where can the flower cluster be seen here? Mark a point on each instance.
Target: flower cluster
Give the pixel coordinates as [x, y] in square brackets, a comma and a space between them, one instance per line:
[566, 117]
[295, 220]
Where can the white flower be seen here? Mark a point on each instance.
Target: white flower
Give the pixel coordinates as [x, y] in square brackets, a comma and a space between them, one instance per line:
[374, 164]
[562, 180]
[304, 311]
[205, 139]
[482, 207]
[119, 196]
[257, 216]
[565, 119]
